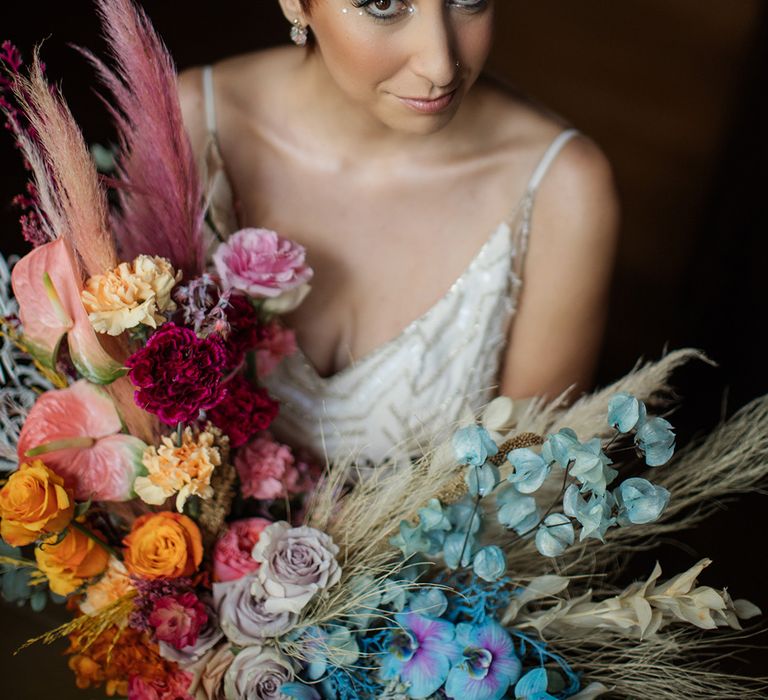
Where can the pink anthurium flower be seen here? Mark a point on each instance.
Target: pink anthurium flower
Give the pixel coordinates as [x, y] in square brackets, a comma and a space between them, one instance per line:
[47, 287]
[76, 432]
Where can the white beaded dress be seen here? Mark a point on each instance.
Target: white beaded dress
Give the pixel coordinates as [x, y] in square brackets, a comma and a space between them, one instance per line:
[399, 398]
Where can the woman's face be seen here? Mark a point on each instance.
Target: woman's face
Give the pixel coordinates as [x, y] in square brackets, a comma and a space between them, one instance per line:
[409, 63]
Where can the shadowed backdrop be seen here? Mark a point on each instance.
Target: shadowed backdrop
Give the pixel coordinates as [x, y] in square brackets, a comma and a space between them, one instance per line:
[673, 90]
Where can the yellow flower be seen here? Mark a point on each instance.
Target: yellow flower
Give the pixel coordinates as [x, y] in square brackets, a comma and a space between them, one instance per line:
[71, 562]
[114, 584]
[34, 502]
[184, 470]
[131, 294]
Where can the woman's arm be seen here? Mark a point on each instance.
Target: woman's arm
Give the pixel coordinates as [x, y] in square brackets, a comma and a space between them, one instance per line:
[557, 333]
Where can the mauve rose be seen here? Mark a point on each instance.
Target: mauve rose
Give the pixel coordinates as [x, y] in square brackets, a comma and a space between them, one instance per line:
[209, 636]
[232, 554]
[242, 614]
[261, 263]
[257, 674]
[296, 563]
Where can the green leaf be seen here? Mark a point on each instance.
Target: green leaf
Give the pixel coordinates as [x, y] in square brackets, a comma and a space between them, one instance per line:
[82, 508]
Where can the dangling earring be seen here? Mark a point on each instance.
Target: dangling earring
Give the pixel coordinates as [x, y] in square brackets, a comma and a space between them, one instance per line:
[299, 33]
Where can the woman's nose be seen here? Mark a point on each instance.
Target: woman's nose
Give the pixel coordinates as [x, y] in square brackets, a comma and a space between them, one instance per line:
[434, 56]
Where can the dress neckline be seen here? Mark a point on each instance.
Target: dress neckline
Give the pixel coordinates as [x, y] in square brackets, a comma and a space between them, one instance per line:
[504, 227]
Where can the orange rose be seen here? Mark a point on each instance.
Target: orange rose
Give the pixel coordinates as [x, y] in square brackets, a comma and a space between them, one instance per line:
[163, 545]
[33, 503]
[70, 562]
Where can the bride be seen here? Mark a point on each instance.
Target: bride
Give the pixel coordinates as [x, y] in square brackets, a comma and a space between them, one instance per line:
[436, 207]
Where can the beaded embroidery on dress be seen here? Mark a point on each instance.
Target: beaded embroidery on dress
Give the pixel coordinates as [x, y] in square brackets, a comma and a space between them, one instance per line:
[399, 398]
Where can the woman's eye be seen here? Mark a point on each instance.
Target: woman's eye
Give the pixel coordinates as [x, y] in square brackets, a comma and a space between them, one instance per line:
[383, 9]
[471, 5]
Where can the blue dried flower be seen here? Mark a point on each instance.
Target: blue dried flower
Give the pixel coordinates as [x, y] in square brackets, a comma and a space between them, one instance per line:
[473, 445]
[433, 517]
[411, 539]
[554, 535]
[590, 466]
[558, 447]
[455, 544]
[430, 602]
[516, 510]
[640, 501]
[464, 516]
[657, 441]
[489, 563]
[625, 412]
[482, 480]
[594, 515]
[531, 470]
[299, 691]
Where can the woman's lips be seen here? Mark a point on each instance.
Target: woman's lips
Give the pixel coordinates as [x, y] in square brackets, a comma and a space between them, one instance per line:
[423, 106]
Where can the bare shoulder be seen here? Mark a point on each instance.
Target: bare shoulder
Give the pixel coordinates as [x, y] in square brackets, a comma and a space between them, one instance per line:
[240, 83]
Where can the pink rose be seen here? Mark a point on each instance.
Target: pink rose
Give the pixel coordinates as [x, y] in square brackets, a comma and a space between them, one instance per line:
[174, 686]
[178, 619]
[266, 469]
[276, 343]
[232, 554]
[261, 263]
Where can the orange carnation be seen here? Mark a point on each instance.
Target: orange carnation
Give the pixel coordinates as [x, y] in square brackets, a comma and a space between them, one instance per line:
[70, 562]
[33, 503]
[163, 545]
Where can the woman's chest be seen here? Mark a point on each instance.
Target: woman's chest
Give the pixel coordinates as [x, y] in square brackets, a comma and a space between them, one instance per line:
[386, 244]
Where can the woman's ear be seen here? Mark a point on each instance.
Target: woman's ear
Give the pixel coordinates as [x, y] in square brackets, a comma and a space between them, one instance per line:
[292, 10]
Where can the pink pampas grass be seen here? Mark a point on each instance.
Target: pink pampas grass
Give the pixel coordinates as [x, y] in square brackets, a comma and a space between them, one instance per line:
[160, 189]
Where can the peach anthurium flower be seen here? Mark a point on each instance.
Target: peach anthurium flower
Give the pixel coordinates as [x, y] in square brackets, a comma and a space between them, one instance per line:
[47, 287]
[77, 433]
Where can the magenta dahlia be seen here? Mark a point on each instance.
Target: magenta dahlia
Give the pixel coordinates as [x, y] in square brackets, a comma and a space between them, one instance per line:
[177, 374]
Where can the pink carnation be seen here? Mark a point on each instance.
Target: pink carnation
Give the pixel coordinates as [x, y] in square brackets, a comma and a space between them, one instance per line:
[232, 554]
[261, 263]
[276, 343]
[178, 619]
[173, 686]
[266, 469]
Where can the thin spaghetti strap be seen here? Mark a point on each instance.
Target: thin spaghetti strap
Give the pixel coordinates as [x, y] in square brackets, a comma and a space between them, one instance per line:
[548, 158]
[210, 104]
[522, 234]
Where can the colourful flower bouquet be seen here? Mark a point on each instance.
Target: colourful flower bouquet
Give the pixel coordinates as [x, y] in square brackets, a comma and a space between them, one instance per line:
[203, 559]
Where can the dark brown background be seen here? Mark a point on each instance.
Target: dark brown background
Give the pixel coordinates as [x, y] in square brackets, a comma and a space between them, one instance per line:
[673, 90]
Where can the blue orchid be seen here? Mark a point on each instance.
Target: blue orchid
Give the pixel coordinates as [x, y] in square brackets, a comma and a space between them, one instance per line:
[516, 510]
[594, 515]
[554, 535]
[488, 666]
[420, 654]
[489, 563]
[625, 412]
[531, 470]
[640, 501]
[533, 686]
[656, 441]
[473, 445]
